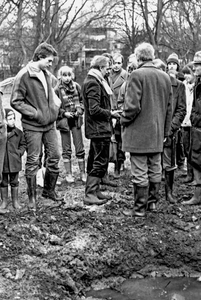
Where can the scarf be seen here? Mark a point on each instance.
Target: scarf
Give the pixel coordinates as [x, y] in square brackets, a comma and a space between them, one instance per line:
[70, 96]
[97, 74]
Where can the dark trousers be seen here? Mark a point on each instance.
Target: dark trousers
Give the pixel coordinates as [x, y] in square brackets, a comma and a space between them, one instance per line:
[186, 140]
[98, 157]
[12, 178]
[3, 138]
[180, 157]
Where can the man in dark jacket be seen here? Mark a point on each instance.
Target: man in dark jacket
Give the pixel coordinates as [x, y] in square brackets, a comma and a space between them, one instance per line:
[2, 134]
[195, 148]
[96, 96]
[33, 96]
[146, 121]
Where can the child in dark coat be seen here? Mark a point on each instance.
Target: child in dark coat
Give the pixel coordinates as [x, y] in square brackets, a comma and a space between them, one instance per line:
[15, 148]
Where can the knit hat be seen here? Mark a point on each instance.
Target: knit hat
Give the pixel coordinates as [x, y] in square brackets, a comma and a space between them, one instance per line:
[173, 58]
[197, 58]
[8, 112]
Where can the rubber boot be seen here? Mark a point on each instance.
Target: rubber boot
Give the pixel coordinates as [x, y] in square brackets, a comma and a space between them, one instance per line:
[153, 197]
[14, 197]
[141, 197]
[189, 177]
[91, 198]
[68, 168]
[40, 177]
[4, 197]
[50, 181]
[81, 163]
[117, 168]
[196, 199]
[31, 191]
[169, 180]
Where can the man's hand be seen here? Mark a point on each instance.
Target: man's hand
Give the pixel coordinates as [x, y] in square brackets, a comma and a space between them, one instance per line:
[68, 114]
[116, 113]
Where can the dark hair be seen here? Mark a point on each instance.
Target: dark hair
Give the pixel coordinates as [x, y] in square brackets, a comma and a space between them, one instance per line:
[44, 50]
[188, 68]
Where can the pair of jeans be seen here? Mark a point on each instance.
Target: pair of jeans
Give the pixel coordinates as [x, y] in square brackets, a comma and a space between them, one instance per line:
[146, 168]
[12, 178]
[3, 139]
[98, 157]
[34, 142]
[77, 141]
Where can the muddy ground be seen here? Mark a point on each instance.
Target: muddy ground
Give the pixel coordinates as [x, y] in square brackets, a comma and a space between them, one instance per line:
[65, 249]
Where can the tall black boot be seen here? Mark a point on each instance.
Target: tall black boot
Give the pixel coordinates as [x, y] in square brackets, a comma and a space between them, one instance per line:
[31, 191]
[141, 197]
[14, 197]
[50, 181]
[91, 188]
[169, 180]
[117, 169]
[153, 197]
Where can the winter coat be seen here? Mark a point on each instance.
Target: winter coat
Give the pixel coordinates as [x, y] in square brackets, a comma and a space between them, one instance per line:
[116, 85]
[28, 97]
[179, 104]
[2, 119]
[195, 145]
[97, 109]
[15, 148]
[2, 135]
[147, 112]
[71, 101]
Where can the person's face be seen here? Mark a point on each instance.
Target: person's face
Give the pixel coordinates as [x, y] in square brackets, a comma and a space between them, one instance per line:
[105, 69]
[189, 77]
[172, 66]
[108, 71]
[117, 64]
[67, 77]
[197, 68]
[10, 120]
[46, 63]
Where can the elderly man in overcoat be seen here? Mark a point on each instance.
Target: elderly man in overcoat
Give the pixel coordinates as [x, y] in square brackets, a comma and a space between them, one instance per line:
[146, 122]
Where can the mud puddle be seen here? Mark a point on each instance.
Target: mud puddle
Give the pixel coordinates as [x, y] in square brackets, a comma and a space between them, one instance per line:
[181, 288]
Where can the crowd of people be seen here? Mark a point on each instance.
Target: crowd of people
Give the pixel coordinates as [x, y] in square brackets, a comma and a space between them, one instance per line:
[151, 110]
